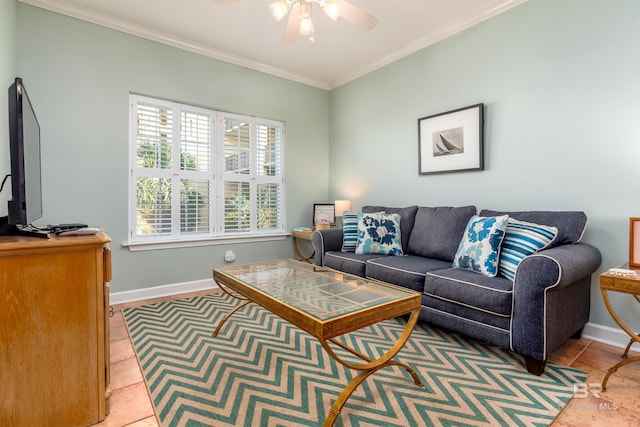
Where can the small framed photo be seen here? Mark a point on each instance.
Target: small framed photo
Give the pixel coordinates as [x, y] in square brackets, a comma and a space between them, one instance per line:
[634, 242]
[324, 213]
[452, 141]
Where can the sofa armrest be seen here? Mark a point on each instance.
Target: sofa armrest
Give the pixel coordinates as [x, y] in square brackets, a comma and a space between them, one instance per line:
[551, 297]
[324, 241]
[559, 266]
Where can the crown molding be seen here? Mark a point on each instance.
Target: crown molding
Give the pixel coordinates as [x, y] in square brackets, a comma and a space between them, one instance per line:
[65, 8]
[489, 12]
[127, 27]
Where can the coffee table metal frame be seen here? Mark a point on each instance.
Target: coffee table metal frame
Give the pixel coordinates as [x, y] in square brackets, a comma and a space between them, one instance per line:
[326, 330]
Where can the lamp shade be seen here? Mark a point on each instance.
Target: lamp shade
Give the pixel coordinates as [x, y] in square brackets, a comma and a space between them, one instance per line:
[331, 8]
[342, 206]
[306, 26]
[279, 9]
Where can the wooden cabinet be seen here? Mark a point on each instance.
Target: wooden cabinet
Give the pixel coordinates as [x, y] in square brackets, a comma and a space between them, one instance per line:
[54, 343]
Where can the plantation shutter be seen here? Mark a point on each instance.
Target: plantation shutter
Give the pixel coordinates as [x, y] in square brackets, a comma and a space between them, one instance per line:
[199, 173]
[236, 176]
[269, 179]
[154, 139]
[252, 177]
[195, 166]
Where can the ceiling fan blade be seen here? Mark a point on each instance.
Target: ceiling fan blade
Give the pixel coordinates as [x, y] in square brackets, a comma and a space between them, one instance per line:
[293, 25]
[356, 15]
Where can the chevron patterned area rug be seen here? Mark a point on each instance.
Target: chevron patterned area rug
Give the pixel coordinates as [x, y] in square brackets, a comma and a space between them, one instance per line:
[263, 371]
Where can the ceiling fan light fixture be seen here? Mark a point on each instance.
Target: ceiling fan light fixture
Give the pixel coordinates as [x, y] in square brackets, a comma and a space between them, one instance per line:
[300, 22]
[306, 26]
[279, 9]
[331, 8]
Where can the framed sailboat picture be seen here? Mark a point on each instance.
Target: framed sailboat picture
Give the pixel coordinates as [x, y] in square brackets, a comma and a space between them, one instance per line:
[451, 141]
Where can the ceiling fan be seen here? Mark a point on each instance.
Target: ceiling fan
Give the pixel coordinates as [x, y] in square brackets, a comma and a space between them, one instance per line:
[300, 21]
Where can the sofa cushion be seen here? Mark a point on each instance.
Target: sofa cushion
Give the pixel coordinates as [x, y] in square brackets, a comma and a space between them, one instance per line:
[479, 249]
[348, 262]
[349, 231]
[407, 218]
[437, 231]
[521, 240]
[407, 271]
[379, 233]
[570, 224]
[466, 320]
[482, 294]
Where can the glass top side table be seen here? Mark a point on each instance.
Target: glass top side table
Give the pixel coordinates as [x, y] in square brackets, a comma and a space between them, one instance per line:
[625, 280]
[302, 235]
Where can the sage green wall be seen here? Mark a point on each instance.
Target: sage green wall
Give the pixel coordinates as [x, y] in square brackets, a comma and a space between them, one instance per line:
[559, 80]
[8, 71]
[79, 77]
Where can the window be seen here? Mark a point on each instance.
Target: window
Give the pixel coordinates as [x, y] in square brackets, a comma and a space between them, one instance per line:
[199, 174]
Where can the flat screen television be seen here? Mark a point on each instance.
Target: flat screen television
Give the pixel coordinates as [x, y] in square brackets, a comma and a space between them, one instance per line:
[25, 205]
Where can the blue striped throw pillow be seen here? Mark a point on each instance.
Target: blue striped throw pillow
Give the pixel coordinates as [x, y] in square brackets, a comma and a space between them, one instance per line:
[349, 231]
[521, 240]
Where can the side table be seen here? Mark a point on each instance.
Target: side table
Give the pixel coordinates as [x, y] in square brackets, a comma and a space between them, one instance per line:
[611, 282]
[303, 235]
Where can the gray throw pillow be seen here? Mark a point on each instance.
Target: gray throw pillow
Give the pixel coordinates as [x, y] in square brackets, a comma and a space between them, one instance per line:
[570, 224]
[437, 231]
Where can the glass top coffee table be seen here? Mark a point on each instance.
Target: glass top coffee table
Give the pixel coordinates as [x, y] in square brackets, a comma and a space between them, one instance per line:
[326, 304]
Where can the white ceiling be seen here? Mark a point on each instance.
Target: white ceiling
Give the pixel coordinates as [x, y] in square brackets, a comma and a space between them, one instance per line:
[246, 34]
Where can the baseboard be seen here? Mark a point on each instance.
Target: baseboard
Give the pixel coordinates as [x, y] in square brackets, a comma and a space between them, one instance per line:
[162, 291]
[608, 335]
[592, 331]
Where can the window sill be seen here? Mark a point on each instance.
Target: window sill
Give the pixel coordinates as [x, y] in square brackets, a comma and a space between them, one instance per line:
[151, 245]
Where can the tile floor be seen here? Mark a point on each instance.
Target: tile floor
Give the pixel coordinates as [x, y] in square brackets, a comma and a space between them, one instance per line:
[619, 406]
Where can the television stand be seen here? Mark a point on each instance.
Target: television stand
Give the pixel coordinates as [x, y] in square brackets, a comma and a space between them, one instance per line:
[54, 331]
[7, 229]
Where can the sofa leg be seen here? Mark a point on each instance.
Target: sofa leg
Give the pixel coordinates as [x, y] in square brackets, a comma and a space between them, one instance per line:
[578, 334]
[534, 366]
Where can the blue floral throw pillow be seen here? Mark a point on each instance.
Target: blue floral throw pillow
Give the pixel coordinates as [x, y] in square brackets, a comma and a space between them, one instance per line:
[479, 249]
[379, 233]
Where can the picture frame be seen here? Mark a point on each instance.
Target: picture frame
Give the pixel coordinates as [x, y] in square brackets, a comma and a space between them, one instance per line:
[452, 141]
[634, 242]
[324, 213]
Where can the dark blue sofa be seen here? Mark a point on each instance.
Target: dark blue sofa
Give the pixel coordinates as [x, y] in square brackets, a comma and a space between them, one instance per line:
[547, 303]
